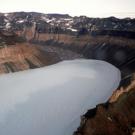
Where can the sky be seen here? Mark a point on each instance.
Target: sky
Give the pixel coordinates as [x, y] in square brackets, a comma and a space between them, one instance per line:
[91, 8]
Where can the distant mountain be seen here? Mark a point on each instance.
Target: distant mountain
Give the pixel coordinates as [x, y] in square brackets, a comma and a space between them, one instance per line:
[65, 23]
[59, 15]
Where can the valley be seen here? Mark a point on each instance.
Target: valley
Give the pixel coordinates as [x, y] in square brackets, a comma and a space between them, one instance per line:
[30, 40]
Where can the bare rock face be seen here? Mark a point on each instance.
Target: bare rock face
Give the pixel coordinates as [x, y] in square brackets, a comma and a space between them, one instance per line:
[24, 56]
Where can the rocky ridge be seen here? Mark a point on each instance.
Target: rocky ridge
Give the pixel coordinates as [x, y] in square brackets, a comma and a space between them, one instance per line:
[57, 23]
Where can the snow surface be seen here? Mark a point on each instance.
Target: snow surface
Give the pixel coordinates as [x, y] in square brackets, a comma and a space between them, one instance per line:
[74, 30]
[50, 100]
[20, 21]
[6, 15]
[8, 25]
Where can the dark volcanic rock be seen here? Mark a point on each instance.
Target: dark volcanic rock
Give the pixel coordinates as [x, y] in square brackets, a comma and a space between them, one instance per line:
[10, 38]
[116, 33]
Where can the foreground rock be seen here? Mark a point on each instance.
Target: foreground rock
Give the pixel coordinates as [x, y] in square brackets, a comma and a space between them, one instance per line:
[113, 118]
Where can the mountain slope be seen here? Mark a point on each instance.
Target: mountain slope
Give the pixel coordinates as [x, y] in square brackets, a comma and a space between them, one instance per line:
[24, 56]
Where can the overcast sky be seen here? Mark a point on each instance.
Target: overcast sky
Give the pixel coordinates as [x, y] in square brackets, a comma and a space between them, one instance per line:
[92, 8]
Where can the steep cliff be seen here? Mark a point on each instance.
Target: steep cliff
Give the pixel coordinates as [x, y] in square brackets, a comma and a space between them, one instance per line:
[113, 118]
[24, 56]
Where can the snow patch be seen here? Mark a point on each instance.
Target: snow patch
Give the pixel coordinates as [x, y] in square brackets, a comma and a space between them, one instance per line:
[50, 100]
[74, 30]
[68, 19]
[5, 20]
[20, 21]
[6, 15]
[8, 25]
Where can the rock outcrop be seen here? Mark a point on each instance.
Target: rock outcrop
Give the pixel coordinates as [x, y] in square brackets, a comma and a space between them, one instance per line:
[116, 117]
